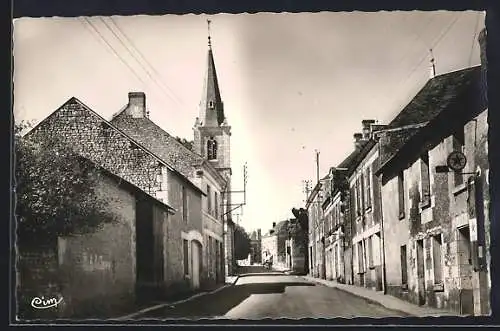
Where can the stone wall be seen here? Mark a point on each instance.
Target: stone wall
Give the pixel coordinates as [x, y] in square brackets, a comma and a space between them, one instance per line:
[94, 274]
[90, 135]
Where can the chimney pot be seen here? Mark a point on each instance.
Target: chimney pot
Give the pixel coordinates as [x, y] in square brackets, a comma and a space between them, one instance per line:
[137, 104]
[366, 128]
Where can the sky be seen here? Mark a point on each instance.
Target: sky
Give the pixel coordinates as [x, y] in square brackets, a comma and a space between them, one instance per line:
[291, 83]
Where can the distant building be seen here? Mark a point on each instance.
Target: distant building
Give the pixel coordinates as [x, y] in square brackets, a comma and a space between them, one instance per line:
[256, 247]
[274, 244]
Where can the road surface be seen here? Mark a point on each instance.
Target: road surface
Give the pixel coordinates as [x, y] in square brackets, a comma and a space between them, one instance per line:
[264, 295]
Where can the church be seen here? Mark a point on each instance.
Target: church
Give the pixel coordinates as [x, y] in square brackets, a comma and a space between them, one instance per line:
[175, 231]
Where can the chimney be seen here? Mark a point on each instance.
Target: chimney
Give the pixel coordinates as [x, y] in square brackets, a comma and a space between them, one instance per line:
[482, 47]
[366, 128]
[259, 234]
[358, 139]
[374, 128]
[137, 104]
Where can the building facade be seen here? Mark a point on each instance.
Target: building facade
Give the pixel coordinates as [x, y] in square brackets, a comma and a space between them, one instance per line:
[256, 247]
[367, 216]
[316, 231]
[416, 215]
[437, 231]
[77, 126]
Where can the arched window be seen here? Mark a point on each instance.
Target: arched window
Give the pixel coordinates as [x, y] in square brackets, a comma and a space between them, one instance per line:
[212, 149]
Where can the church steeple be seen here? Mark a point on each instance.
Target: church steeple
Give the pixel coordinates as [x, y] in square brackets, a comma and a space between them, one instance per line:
[211, 106]
[212, 133]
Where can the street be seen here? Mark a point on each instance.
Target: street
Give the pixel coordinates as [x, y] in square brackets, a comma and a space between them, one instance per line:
[274, 295]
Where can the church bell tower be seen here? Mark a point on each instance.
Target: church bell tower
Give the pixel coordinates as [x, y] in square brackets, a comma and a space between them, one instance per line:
[211, 130]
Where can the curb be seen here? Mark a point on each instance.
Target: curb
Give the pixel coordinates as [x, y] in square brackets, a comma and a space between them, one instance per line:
[445, 313]
[163, 305]
[372, 301]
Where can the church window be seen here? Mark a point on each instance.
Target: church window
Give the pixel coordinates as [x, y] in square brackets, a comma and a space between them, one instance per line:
[212, 149]
[211, 104]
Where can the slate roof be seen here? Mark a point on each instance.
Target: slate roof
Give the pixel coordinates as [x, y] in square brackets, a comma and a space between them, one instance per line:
[436, 96]
[121, 132]
[159, 142]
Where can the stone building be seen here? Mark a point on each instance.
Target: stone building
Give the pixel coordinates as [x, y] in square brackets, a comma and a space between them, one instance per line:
[366, 214]
[115, 262]
[207, 165]
[316, 241]
[274, 244]
[77, 126]
[437, 230]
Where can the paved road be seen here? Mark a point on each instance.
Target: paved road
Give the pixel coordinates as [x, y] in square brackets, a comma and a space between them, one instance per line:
[275, 296]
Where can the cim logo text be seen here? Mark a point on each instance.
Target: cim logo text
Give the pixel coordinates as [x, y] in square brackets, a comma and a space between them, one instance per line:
[42, 303]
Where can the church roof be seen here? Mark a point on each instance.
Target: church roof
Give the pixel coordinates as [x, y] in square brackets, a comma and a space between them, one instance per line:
[211, 93]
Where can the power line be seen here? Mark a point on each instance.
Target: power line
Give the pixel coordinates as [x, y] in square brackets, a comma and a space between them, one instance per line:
[474, 38]
[403, 82]
[87, 21]
[433, 46]
[144, 59]
[135, 58]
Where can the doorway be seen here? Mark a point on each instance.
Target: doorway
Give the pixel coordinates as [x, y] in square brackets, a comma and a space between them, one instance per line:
[196, 261]
[144, 249]
[420, 272]
[465, 270]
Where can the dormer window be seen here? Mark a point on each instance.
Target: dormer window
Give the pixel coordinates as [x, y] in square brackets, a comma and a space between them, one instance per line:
[211, 104]
[212, 149]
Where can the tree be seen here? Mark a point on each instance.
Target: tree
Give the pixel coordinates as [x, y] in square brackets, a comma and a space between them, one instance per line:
[56, 191]
[186, 143]
[300, 230]
[242, 243]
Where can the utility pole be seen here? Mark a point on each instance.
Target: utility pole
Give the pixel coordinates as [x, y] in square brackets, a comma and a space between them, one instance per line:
[317, 165]
[306, 189]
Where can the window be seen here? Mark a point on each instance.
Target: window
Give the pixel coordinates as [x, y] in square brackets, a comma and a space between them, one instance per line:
[358, 199]
[216, 205]
[184, 209]
[438, 259]
[404, 267]
[369, 241]
[186, 257]
[209, 199]
[458, 145]
[425, 178]
[401, 195]
[361, 262]
[368, 188]
[361, 191]
[210, 252]
[212, 149]
[211, 104]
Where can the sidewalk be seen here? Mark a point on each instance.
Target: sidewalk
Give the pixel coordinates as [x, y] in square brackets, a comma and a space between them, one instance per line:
[230, 281]
[388, 301]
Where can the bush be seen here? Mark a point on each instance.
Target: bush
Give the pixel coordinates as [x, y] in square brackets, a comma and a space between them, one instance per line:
[55, 191]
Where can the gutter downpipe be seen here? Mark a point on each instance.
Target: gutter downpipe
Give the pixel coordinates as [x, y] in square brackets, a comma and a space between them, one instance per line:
[384, 276]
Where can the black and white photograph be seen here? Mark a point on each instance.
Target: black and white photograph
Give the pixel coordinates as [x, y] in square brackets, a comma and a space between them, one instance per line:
[251, 166]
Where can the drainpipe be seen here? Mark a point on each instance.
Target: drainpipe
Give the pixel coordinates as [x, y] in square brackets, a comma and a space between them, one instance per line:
[382, 237]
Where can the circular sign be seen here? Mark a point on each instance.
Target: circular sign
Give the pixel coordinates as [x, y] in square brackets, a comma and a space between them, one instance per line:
[456, 160]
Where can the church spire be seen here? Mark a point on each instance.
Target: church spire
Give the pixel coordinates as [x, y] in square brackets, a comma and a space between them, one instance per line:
[211, 106]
